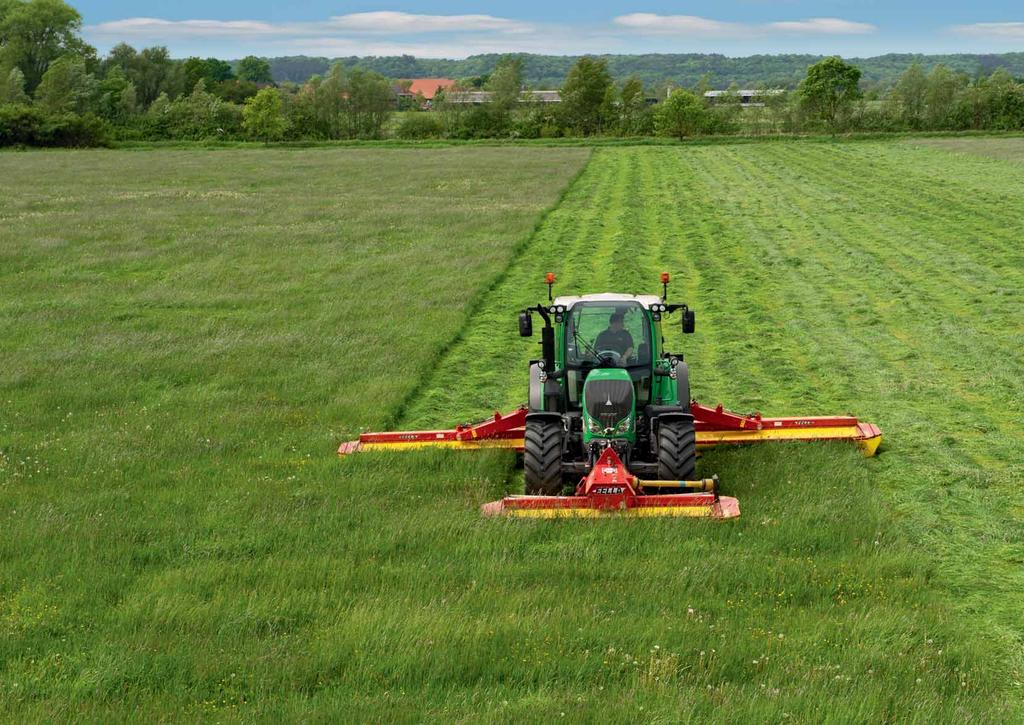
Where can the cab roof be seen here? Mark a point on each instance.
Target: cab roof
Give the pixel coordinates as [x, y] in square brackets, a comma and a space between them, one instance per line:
[644, 300]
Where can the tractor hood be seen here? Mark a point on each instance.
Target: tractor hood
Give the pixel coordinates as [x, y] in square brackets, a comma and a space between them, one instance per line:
[608, 402]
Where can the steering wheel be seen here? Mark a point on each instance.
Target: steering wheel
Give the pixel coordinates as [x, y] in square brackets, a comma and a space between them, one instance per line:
[610, 356]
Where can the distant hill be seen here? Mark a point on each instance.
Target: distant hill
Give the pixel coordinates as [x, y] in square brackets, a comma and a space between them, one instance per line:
[548, 71]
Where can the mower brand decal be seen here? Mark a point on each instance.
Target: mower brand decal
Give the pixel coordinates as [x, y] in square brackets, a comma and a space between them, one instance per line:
[609, 471]
[609, 490]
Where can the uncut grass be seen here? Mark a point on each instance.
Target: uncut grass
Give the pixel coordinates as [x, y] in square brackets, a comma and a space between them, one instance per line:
[808, 609]
[187, 337]
[873, 278]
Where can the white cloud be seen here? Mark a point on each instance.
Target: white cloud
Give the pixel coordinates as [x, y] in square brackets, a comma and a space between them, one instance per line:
[691, 25]
[383, 33]
[157, 28]
[1011, 31]
[407, 23]
[458, 36]
[823, 26]
[678, 24]
[384, 23]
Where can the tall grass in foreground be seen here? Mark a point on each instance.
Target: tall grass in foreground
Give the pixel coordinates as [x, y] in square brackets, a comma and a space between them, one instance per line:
[384, 595]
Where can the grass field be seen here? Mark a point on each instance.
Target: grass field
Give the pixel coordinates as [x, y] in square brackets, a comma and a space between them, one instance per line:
[189, 334]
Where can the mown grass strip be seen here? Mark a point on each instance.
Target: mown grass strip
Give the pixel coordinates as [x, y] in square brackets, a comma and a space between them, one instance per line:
[814, 294]
[938, 357]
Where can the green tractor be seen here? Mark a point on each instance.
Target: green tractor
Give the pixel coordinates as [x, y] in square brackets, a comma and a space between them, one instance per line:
[610, 417]
[605, 380]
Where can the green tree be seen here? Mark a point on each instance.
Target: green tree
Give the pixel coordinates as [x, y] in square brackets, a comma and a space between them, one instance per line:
[66, 87]
[116, 99]
[634, 113]
[910, 93]
[942, 92]
[263, 116]
[329, 99]
[193, 70]
[153, 72]
[585, 96]
[35, 33]
[682, 114]
[121, 56]
[829, 90]
[506, 83]
[12, 86]
[256, 70]
[300, 107]
[158, 117]
[218, 70]
[199, 115]
[236, 91]
[127, 104]
[494, 118]
[997, 102]
[703, 85]
[369, 104]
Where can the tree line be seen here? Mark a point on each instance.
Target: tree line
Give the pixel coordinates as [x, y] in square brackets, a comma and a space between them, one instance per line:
[56, 90]
[656, 70]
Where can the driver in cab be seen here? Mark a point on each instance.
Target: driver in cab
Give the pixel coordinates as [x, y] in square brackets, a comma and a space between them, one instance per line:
[616, 338]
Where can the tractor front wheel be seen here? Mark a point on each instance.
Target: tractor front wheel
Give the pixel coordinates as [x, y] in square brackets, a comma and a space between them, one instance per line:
[542, 457]
[677, 450]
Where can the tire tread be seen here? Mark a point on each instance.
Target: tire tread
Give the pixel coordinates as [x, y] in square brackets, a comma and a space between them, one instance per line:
[542, 457]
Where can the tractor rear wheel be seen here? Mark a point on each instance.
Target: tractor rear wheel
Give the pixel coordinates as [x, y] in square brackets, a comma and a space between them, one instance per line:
[542, 457]
[677, 450]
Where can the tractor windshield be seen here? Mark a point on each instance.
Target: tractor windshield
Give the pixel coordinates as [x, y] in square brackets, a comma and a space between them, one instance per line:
[607, 334]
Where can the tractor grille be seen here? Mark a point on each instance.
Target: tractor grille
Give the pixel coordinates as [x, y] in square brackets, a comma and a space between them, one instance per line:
[609, 401]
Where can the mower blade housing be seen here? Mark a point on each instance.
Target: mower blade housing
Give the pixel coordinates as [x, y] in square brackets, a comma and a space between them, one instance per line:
[611, 490]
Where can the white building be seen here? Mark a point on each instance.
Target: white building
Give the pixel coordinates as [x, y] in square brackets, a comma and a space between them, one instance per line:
[748, 98]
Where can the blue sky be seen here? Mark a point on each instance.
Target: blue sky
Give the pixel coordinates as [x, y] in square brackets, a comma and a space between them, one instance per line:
[458, 29]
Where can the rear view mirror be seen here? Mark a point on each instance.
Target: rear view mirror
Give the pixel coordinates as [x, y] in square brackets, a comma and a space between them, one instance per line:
[689, 322]
[525, 324]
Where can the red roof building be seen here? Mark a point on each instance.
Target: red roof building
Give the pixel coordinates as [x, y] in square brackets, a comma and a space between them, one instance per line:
[428, 87]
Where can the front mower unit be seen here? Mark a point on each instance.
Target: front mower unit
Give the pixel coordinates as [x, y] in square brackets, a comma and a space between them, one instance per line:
[610, 490]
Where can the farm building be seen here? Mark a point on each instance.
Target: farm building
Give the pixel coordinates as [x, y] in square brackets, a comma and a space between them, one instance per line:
[425, 87]
[747, 98]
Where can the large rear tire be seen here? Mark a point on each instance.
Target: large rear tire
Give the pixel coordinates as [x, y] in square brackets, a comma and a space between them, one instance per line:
[677, 450]
[542, 457]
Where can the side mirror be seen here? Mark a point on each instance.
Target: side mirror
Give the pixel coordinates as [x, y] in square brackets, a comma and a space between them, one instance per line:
[525, 324]
[689, 322]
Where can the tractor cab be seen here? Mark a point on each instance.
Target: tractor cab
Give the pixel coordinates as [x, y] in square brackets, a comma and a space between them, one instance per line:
[613, 335]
